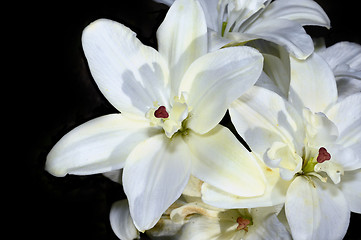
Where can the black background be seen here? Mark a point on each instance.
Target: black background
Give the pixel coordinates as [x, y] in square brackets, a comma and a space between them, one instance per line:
[57, 93]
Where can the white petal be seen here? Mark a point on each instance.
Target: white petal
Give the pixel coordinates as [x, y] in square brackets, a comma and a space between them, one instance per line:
[347, 117]
[305, 12]
[204, 228]
[216, 41]
[313, 84]
[210, 12]
[155, 174]
[222, 161]
[346, 157]
[165, 229]
[266, 226]
[115, 175]
[166, 2]
[347, 86]
[121, 221]
[275, 193]
[130, 75]
[344, 55]
[262, 117]
[350, 186]
[217, 79]
[182, 38]
[285, 33]
[320, 130]
[316, 210]
[278, 71]
[97, 146]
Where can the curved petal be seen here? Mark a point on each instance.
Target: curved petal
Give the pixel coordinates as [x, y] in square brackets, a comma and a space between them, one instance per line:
[204, 228]
[216, 41]
[263, 117]
[182, 38]
[215, 80]
[278, 71]
[210, 12]
[324, 214]
[285, 33]
[223, 162]
[154, 176]
[121, 221]
[347, 117]
[275, 193]
[347, 86]
[130, 75]
[313, 84]
[166, 2]
[115, 175]
[346, 55]
[350, 186]
[266, 226]
[97, 146]
[304, 12]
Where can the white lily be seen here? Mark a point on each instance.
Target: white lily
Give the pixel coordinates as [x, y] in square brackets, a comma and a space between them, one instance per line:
[171, 101]
[237, 22]
[345, 60]
[310, 139]
[190, 218]
[208, 224]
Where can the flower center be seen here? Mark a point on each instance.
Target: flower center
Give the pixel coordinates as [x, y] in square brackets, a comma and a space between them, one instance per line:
[323, 155]
[161, 112]
[171, 120]
[315, 165]
[243, 224]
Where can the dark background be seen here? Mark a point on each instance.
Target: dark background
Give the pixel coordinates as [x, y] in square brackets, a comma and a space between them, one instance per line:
[58, 94]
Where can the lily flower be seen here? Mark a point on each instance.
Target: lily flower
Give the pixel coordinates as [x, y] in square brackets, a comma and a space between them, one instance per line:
[202, 223]
[313, 140]
[236, 22]
[189, 218]
[170, 103]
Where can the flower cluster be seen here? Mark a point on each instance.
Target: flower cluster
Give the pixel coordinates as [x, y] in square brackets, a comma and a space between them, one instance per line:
[188, 177]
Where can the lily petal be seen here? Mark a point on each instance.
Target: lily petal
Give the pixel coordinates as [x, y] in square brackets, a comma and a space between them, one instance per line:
[210, 12]
[205, 228]
[275, 193]
[266, 226]
[343, 55]
[182, 38]
[350, 186]
[288, 34]
[99, 145]
[325, 213]
[347, 117]
[215, 80]
[223, 162]
[313, 84]
[347, 86]
[121, 221]
[263, 117]
[155, 174]
[279, 72]
[130, 75]
[305, 12]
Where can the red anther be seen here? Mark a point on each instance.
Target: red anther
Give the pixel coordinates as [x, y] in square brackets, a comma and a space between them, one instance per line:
[323, 155]
[242, 223]
[161, 112]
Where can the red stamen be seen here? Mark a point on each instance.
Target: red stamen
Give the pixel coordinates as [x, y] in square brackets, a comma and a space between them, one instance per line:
[161, 112]
[323, 155]
[242, 223]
